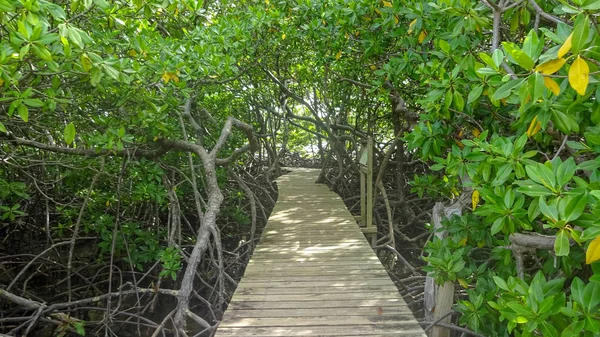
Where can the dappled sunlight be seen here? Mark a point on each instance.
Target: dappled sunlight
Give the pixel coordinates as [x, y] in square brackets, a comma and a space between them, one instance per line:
[312, 270]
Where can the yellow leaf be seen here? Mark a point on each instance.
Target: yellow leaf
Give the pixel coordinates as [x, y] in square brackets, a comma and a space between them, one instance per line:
[166, 77]
[475, 199]
[85, 62]
[338, 55]
[534, 127]
[551, 66]
[373, 67]
[476, 133]
[463, 242]
[565, 47]
[1, 82]
[107, 203]
[592, 254]
[387, 4]
[552, 85]
[579, 75]
[422, 36]
[283, 37]
[377, 11]
[411, 26]
[133, 53]
[463, 283]
[396, 19]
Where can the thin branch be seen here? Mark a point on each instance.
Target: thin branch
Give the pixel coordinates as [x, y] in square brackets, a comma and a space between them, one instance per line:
[545, 15]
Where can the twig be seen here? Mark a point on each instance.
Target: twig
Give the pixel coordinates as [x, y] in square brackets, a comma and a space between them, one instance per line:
[562, 146]
[456, 328]
[438, 320]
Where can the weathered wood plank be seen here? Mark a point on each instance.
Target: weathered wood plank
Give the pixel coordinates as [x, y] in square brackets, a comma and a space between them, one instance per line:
[310, 297]
[320, 331]
[315, 290]
[337, 321]
[293, 283]
[312, 312]
[332, 305]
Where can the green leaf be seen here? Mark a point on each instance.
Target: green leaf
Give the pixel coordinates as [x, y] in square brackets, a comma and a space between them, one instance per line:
[534, 190]
[565, 171]
[549, 211]
[56, 11]
[23, 112]
[497, 226]
[565, 123]
[532, 46]
[2, 128]
[6, 6]
[79, 328]
[591, 296]
[487, 60]
[458, 100]
[33, 102]
[498, 57]
[502, 175]
[537, 82]
[591, 5]
[487, 71]
[575, 207]
[518, 56]
[545, 176]
[475, 93]
[444, 46]
[580, 34]
[101, 3]
[42, 53]
[561, 245]
[500, 283]
[69, 133]
[504, 91]
[74, 36]
[112, 72]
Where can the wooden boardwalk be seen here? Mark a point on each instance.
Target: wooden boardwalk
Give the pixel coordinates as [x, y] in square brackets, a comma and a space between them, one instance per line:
[313, 273]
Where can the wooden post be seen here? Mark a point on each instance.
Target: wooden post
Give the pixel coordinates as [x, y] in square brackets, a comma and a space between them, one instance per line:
[439, 298]
[370, 192]
[363, 199]
[366, 191]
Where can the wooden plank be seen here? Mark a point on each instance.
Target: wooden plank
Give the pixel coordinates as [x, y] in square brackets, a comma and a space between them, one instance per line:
[375, 319]
[332, 263]
[345, 259]
[321, 290]
[315, 283]
[324, 278]
[312, 312]
[333, 304]
[311, 297]
[316, 331]
[312, 272]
